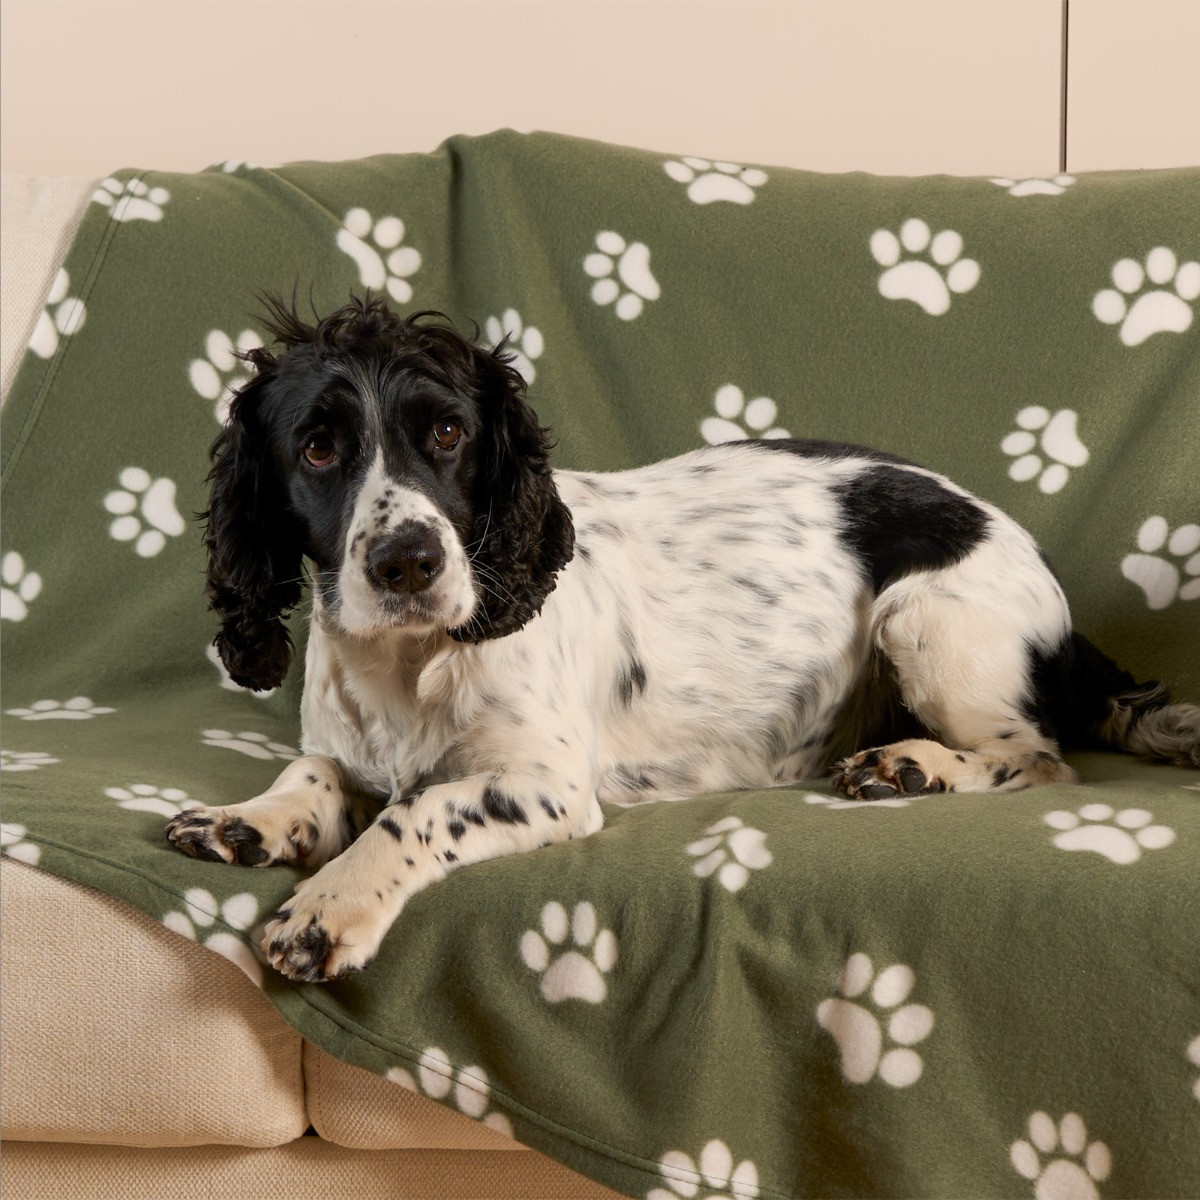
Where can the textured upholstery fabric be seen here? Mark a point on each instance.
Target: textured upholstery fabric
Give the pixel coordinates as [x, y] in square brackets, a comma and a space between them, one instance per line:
[39, 218]
[184, 1050]
[308, 1167]
[354, 1108]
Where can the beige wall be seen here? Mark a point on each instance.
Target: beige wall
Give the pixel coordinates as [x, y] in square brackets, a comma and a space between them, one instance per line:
[903, 86]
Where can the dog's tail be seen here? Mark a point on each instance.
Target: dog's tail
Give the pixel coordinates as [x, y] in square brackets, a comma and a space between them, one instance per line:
[1107, 707]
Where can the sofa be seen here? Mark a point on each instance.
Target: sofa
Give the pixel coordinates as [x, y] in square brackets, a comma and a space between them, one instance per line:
[804, 995]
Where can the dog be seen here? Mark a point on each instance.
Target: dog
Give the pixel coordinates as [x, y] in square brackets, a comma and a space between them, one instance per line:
[497, 648]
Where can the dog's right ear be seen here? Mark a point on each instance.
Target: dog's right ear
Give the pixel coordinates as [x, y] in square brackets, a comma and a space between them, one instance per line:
[254, 553]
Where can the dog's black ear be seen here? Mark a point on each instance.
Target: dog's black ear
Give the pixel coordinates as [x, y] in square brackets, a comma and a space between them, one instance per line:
[523, 533]
[254, 554]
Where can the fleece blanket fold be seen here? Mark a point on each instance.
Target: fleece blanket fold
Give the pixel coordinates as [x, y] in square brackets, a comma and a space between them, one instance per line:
[763, 994]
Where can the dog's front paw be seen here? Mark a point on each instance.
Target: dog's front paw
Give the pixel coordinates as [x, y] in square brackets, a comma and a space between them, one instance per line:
[904, 769]
[321, 935]
[239, 834]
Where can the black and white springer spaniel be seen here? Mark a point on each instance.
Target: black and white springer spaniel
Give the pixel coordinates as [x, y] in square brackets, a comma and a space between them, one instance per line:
[496, 647]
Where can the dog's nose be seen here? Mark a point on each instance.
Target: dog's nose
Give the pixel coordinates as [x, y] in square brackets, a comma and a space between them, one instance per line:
[406, 561]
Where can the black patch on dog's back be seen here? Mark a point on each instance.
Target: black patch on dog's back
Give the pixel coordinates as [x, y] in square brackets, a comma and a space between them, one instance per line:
[895, 516]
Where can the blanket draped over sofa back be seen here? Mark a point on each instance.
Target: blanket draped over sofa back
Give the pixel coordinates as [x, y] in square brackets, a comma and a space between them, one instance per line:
[758, 994]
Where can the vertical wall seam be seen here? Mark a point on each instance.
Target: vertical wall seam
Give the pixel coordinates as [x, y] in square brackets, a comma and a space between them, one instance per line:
[1063, 94]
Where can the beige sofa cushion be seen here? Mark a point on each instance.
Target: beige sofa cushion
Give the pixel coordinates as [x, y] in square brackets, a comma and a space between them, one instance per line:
[362, 1111]
[38, 219]
[116, 1030]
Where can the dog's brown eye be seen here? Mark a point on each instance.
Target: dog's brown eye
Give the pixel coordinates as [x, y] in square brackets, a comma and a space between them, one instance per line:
[319, 451]
[446, 434]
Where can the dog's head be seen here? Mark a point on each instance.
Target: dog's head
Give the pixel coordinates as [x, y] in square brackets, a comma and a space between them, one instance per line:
[399, 458]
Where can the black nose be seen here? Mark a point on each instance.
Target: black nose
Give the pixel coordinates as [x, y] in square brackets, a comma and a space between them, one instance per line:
[405, 561]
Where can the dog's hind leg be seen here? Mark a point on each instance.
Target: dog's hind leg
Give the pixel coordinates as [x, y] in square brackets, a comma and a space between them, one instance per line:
[964, 670]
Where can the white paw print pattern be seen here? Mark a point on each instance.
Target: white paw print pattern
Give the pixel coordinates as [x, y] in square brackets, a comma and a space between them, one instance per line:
[437, 1078]
[25, 760]
[201, 911]
[13, 843]
[570, 974]
[253, 745]
[1059, 442]
[927, 284]
[144, 797]
[834, 803]
[144, 511]
[214, 657]
[62, 316]
[378, 252]
[221, 372]
[1161, 580]
[876, 1045]
[1054, 186]
[709, 181]
[732, 850]
[1156, 311]
[715, 1172]
[78, 708]
[525, 342]
[131, 201]
[1118, 836]
[1193, 1056]
[19, 587]
[633, 284]
[737, 418]
[1059, 1160]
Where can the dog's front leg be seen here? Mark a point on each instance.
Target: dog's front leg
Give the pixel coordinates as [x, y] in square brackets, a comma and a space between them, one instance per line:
[336, 919]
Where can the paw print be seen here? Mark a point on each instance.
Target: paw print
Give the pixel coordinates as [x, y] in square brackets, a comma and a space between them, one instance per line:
[1163, 581]
[215, 658]
[132, 201]
[524, 342]
[839, 802]
[1076, 1165]
[632, 264]
[928, 285]
[436, 1078]
[62, 316]
[25, 760]
[1036, 187]
[367, 241]
[255, 745]
[220, 373]
[1119, 836]
[860, 1034]
[156, 510]
[1059, 441]
[20, 587]
[758, 417]
[732, 847]
[143, 797]
[708, 181]
[78, 708]
[13, 843]
[572, 975]
[232, 166]
[1157, 311]
[715, 1172]
[1193, 1056]
[201, 911]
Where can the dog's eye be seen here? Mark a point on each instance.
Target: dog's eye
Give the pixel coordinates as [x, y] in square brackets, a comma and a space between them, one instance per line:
[446, 434]
[319, 450]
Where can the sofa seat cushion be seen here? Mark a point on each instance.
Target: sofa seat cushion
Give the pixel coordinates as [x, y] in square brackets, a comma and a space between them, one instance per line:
[118, 1031]
[364, 1111]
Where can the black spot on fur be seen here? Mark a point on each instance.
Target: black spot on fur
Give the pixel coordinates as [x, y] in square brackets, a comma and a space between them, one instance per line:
[457, 829]
[548, 807]
[246, 842]
[390, 826]
[503, 808]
